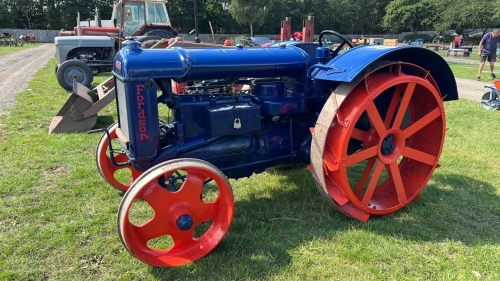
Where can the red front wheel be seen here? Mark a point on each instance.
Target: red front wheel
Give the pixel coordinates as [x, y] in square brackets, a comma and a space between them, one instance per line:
[120, 177]
[176, 212]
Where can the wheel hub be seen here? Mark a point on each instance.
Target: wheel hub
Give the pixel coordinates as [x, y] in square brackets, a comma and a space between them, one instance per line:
[184, 222]
[387, 145]
[391, 146]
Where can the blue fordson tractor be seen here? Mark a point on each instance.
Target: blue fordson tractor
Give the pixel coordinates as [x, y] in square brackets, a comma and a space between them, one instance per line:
[369, 122]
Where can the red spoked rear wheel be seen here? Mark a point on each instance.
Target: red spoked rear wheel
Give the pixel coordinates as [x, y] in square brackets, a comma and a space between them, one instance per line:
[384, 142]
[176, 212]
[120, 177]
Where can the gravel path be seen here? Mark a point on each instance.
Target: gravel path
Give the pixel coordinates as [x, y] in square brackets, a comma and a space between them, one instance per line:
[472, 89]
[17, 69]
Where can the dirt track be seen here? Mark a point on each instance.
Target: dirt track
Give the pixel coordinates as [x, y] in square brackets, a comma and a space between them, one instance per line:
[17, 69]
[472, 89]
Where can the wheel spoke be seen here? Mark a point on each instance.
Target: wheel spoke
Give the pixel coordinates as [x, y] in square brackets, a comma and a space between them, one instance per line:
[193, 184]
[182, 238]
[365, 175]
[393, 105]
[404, 105]
[376, 119]
[361, 156]
[205, 212]
[158, 197]
[419, 156]
[153, 228]
[119, 158]
[421, 123]
[394, 173]
[358, 134]
[373, 183]
[135, 173]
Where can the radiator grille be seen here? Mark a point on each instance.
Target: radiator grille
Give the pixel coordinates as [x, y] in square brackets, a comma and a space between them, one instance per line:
[122, 108]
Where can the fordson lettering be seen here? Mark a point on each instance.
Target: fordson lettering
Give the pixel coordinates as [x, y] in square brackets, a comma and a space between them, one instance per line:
[141, 113]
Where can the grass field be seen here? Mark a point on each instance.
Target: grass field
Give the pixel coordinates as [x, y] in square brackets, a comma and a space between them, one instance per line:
[58, 216]
[4, 50]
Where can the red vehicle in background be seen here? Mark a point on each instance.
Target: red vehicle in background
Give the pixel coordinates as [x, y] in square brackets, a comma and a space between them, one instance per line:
[91, 46]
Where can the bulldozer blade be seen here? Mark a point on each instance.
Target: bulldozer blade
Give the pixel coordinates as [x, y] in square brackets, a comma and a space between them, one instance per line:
[79, 113]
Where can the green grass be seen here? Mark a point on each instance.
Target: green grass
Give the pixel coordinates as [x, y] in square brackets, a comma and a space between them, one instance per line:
[58, 216]
[473, 55]
[467, 67]
[4, 50]
[468, 71]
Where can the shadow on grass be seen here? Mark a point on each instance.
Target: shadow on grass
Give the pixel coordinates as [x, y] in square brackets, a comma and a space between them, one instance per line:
[268, 228]
[104, 122]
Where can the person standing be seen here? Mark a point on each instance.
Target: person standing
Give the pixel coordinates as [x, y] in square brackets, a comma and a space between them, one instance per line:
[488, 50]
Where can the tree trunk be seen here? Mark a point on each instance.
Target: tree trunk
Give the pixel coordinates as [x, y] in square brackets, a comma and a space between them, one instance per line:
[251, 29]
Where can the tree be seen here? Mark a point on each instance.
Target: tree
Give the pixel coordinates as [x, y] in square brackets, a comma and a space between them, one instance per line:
[479, 14]
[249, 12]
[413, 15]
[371, 14]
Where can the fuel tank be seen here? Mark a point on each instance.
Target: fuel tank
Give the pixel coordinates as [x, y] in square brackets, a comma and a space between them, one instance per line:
[133, 62]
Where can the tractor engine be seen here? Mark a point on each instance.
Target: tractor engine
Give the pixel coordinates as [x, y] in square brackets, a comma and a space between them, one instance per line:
[88, 54]
[369, 122]
[241, 125]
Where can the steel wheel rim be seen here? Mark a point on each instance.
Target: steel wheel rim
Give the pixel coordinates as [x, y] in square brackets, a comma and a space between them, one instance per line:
[170, 207]
[487, 101]
[106, 167]
[74, 73]
[405, 141]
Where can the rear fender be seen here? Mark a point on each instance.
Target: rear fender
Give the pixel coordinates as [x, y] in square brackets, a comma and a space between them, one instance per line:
[347, 66]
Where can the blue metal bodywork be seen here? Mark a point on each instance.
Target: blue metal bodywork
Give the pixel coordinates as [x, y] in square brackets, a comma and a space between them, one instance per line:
[240, 131]
[350, 64]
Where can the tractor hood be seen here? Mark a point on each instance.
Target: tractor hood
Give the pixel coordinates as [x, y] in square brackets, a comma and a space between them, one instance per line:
[133, 62]
[84, 41]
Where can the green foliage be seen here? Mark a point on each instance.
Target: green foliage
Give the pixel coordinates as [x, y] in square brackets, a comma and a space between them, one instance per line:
[50, 14]
[474, 38]
[408, 14]
[473, 14]
[249, 13]
[182, 15]
[235, 16]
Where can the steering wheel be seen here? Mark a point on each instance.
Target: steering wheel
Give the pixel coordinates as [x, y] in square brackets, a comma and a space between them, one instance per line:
[334, 53]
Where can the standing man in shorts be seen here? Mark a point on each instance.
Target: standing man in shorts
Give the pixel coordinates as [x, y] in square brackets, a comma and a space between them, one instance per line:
[488, 50]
